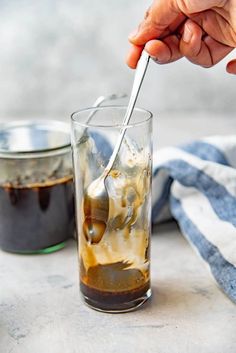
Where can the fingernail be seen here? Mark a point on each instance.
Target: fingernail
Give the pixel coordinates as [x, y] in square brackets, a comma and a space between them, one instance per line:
[231, 67]
[231, 71]
[187, 35]
[133, 34]
[156, 59]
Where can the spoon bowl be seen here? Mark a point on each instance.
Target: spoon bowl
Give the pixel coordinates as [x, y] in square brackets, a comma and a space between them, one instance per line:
[96, 210]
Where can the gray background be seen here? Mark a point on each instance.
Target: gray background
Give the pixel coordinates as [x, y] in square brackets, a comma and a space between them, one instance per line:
[57, 56]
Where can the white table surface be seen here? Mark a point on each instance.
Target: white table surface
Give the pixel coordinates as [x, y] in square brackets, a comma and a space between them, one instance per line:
[41, 310]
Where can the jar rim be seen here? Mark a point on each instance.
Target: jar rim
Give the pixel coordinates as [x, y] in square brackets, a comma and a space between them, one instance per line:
[34, 138]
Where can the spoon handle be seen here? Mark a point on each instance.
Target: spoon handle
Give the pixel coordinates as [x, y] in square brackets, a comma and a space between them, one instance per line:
[138, 79]
[101, 100]
[96, 104]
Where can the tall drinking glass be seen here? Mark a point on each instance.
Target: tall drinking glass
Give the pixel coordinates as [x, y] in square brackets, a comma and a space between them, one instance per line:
[114, 248]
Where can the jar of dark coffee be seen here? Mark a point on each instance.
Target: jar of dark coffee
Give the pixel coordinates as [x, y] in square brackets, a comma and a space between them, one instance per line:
[36, 186]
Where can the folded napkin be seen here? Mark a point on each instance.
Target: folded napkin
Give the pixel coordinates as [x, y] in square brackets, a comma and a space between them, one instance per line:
[196, 184]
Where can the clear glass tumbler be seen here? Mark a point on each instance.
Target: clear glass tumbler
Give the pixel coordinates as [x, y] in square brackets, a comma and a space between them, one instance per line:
[114, 242]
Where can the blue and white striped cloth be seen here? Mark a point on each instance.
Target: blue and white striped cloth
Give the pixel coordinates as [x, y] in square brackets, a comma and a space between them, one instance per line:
[196, 184]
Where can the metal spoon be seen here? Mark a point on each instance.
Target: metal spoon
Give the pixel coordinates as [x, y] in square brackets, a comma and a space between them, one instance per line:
[84, 137]
[96, 198]
[103, 99]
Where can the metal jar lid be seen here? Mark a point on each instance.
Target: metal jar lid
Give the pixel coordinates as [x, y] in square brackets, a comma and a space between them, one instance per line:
[30, 137]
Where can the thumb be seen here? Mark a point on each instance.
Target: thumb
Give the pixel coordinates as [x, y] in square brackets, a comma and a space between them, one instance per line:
[231, 67]
[160, 20]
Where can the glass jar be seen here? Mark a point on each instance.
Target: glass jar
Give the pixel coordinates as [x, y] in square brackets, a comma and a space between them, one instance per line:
[36, 186]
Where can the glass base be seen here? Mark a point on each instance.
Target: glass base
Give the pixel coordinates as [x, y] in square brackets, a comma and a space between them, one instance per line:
[48, 250]
[117, 308]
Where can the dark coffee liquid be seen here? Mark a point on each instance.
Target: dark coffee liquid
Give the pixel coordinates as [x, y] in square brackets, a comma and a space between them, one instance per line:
[104, 300]
[113, 286]
[37, 216]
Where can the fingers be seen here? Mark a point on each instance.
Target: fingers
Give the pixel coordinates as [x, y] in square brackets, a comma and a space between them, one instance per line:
[161, 19]
[196, 35]
[133, 56]
[195, 6]
[164, 51]
[199, 49]
[231, 67]
[216, 26]
[190, 43]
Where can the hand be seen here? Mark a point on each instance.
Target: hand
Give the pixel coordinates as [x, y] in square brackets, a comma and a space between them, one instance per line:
[204, 31]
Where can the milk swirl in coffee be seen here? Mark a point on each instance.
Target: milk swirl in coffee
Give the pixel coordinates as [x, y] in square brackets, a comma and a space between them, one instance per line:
[114, 262]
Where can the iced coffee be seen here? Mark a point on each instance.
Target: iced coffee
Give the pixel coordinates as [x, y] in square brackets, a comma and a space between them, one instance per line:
[114, 250]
